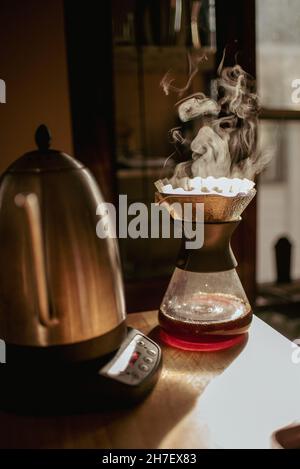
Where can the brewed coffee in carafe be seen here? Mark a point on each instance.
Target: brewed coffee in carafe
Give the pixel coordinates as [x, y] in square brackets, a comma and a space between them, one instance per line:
[199, 304]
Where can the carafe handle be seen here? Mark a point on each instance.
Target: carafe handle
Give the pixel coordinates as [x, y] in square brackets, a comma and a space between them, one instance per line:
[31, 206]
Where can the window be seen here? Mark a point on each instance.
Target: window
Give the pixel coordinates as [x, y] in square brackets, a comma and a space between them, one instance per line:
[278, 64]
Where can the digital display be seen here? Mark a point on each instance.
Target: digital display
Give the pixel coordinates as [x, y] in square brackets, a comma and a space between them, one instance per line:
[134, 358]
[127, 358]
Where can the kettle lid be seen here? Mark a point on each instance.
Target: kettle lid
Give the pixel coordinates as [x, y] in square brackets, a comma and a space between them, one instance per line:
[44, 158]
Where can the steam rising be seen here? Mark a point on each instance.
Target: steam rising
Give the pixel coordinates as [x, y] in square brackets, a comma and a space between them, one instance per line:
[225, 144]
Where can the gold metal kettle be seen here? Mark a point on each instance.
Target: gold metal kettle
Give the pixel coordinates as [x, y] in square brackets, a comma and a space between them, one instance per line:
[61, 291]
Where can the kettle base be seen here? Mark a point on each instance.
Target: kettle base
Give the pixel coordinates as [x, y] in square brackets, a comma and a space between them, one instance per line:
[86, 386]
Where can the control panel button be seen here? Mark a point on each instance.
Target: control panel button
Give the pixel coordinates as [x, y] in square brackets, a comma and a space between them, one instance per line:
[148, 359]
[144, 367]
[141, 342]
[152, 352]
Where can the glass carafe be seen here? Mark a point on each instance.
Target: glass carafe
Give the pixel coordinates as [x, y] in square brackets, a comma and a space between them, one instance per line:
[205, 304]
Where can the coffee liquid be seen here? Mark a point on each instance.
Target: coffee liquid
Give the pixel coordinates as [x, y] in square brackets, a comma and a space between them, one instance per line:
[206, 315]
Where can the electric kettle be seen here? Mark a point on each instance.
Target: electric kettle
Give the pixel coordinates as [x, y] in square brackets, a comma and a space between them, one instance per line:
[61, 291]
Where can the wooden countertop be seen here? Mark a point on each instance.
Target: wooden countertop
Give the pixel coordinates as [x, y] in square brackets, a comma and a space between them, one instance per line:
[234, 398]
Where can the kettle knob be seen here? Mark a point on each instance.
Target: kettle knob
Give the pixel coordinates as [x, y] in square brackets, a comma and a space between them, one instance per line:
[43, 137]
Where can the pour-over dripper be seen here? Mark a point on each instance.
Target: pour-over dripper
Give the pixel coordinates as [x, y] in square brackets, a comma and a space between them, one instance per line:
[205, 305]
[217, 208]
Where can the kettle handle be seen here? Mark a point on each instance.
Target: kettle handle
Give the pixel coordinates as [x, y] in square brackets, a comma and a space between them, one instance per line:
[31, 205]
